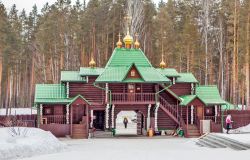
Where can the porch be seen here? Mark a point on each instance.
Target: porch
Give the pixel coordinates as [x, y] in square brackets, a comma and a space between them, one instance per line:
[133, 98]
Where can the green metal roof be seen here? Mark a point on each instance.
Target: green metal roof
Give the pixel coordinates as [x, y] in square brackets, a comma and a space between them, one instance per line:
[186, 99]
[53, 101]
[169, 72]
[118, 74]
[126, 57]
[228, 106]
[209, 95]
[50, 93]
[186, 78]
[121, 62]
[88, 71]
[71, 76]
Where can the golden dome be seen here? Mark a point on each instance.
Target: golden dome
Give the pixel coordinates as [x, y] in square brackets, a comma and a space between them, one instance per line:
[92, 63]
[137, 44]
[119, 43]
[163, 64]
[128, 40]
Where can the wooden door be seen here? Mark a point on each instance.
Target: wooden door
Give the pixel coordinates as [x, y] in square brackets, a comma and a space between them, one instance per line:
[131, 92]
[200, 112]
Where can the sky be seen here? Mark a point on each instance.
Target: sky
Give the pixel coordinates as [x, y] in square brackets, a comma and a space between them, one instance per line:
[28, 4]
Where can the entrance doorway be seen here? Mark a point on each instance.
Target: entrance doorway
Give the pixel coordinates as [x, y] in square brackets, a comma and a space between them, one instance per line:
[131, 127]
[99, 120]
[79, 112]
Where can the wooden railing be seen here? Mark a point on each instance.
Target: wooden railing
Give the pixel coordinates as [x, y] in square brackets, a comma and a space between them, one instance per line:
[58, 119]
[133, 97]
[172, 109]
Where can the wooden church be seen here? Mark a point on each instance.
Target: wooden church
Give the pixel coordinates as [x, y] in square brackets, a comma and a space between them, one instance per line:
[95, 98]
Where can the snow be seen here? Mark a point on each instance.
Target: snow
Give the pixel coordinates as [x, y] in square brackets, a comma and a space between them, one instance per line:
[141, 149]
[244, 129]
[243, 138]
[19, 111]
[30, 142]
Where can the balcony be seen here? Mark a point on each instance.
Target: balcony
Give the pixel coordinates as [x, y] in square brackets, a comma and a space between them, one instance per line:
[133, 98]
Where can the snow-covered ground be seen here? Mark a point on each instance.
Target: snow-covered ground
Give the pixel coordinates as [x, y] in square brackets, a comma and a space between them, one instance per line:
[18, 111]
[29, 142]
[141, 149]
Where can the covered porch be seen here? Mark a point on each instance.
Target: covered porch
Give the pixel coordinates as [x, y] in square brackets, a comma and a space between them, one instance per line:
[65, 117]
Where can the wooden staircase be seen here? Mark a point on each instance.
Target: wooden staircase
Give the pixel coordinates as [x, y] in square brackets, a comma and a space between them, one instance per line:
[172, 111]
[193, 131]
[79, 131]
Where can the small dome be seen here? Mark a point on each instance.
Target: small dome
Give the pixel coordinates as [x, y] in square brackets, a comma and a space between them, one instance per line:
[128, 40]
[163, 64]
[119, 44]
[92, 63]
[137, 44]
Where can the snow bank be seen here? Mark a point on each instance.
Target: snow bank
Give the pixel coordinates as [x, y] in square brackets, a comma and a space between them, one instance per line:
[244, 129]
[31, 141]
[19, 111]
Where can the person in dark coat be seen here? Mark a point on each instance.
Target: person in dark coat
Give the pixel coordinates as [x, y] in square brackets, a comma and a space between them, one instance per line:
[125, 122]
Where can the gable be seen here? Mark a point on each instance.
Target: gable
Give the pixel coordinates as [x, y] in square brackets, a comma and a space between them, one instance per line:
[133, 73]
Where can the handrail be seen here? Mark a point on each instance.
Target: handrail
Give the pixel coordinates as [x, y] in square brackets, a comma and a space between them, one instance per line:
[157, 93]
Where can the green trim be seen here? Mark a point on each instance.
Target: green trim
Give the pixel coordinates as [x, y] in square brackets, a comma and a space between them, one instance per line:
[75, 98]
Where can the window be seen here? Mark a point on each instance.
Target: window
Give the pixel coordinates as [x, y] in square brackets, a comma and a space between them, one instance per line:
[48, 111]
[132, 73]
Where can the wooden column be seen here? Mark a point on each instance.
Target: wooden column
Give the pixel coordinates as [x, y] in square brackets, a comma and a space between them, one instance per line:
[215, 113]
[41, 113]
[187, 117]
[156, 115]
[148, 117]
[192, 114]
[91, 118]
[67, 89]
[71, 120]
[107, 116]
[67, 114]
[113, 117]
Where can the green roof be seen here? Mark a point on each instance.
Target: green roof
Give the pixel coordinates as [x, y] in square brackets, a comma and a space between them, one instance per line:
[186, 78]
[118, 74]
[121, 62]
[169, 72]
[228, 106]
[87, 71]
[126, 57]
[50, 93]
[71, 76]
[186, 99]
[53, 101]
[209, 95]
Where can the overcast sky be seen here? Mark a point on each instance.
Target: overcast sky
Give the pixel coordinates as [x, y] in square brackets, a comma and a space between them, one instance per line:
[28, 4]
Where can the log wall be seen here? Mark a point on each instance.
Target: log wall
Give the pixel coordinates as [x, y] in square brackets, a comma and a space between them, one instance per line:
[88, 91]
[181, 88]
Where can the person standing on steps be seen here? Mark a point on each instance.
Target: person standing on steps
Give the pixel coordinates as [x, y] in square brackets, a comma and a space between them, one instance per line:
[125, 122]
[229, 123]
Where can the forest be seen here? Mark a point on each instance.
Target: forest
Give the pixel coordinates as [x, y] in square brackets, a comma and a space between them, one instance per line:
[209, 38]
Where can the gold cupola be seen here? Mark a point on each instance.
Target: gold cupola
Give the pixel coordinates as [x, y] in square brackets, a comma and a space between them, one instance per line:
[92, 63]
[128, 40]
[162, 64]
[119, 43]
[137, 44]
